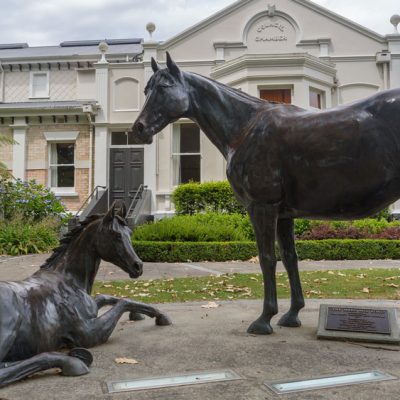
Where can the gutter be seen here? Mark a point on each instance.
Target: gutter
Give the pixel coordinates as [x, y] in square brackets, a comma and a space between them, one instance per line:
[1, 83]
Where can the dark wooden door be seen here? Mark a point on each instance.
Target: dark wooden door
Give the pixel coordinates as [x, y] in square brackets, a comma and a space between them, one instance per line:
[126, 174]
[277, 95]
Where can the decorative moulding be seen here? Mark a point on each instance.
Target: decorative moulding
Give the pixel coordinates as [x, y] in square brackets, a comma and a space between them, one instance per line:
[61, 136]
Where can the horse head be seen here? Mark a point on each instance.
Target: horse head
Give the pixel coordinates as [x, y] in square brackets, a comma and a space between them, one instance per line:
[114, 244]
[167, 100]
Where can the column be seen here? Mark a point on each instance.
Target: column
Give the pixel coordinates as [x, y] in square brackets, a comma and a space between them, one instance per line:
[101, 156]
[150, 150]
[394, 48]
[101, 126]
[19, 149]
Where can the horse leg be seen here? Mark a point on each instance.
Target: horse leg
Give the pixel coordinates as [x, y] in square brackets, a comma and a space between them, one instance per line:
[289, 257]
[15, 371]
[264, 219]
[105, 300]
[97, 330]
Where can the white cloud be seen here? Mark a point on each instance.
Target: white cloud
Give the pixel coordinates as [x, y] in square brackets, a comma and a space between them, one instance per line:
[49, 22]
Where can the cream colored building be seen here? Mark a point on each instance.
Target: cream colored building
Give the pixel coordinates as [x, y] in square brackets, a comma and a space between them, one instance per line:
[71, 106]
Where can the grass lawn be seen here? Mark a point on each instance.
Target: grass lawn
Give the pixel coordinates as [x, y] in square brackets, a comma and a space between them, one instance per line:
[346, 284]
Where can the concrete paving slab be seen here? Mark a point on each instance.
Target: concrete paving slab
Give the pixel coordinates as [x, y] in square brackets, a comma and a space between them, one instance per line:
[215, 339]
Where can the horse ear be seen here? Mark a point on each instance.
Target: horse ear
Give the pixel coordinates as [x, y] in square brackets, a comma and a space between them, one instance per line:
[154, 65]
[122, 211]
[110, 213]
[173, 68]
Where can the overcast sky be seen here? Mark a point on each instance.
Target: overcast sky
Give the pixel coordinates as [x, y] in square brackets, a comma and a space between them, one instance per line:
[49, 22]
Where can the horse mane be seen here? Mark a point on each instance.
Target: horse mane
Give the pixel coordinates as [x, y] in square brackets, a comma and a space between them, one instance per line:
[239, 94]
[67, 239]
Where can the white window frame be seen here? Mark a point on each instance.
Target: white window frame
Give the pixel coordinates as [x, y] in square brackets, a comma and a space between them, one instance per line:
[176, 126]
[62, 191]
[32, 76]
[322, 93]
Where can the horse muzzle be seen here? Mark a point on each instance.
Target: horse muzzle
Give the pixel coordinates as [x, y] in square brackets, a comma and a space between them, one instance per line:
[136, 271]
[139, 131]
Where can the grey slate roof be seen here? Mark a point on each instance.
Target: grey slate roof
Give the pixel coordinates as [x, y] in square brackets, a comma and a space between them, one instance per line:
[76, 49]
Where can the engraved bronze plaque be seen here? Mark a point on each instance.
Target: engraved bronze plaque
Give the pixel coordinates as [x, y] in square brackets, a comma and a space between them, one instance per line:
[358, 320]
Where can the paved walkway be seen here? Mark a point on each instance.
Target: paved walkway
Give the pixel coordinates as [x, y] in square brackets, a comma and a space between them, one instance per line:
[215, 339]
[15, 268]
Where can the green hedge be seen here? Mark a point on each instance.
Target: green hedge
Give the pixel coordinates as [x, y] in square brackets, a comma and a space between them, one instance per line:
[307, 250]
[192, 198]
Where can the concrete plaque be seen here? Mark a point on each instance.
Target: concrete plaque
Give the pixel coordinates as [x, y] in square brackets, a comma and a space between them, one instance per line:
[366, 324]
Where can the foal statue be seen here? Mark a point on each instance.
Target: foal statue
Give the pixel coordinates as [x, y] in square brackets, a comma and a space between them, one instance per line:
[53, 308]
[284, 162]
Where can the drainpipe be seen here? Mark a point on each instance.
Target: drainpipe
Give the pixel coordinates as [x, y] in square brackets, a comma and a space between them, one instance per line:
[91, 128]
[1, 83]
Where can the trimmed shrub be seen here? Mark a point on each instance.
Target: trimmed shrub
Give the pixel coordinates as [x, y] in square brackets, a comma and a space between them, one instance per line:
[29, 199]
[307, 250]
[194, 251]
[210, 227]
[18, 237]
[192, 198]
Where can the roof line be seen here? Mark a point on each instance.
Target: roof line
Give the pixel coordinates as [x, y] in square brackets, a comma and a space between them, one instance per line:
[307, 3]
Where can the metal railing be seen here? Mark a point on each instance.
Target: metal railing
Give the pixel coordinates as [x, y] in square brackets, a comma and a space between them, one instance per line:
[93, 195]
[136, 198]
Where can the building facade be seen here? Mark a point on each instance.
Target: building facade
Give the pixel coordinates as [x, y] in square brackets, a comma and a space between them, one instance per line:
[70, 108]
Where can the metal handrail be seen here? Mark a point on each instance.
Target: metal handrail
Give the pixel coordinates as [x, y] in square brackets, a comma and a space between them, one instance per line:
[95, 191]
[138, 193]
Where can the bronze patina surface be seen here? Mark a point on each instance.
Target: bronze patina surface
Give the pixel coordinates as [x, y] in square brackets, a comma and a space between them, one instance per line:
[284, 162]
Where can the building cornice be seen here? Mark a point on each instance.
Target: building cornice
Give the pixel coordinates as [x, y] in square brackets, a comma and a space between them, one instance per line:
[288, 78]
[306, 3]
[342, 20]
[203, 24]
[273, 60]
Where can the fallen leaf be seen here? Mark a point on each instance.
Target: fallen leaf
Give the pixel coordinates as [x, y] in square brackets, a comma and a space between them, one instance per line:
[211, 304]
[124, 360]
[366, 290]
[107, 286]
[393, 285]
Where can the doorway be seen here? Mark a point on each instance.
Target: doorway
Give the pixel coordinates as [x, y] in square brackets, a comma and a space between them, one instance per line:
[126, 173]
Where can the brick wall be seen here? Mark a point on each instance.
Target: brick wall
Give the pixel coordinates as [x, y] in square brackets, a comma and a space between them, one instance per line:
[37, 155]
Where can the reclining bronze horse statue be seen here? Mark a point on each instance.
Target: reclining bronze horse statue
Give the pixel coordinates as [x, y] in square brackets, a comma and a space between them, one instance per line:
[284, 162]
[53, 309]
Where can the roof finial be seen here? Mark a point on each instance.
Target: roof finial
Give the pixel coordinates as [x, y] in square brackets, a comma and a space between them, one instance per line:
[103, 47]
[395, 21]
[271, 11]
[151, 27]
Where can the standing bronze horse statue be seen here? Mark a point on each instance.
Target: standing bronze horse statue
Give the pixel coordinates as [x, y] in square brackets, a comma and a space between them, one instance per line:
[284, 162]
[53, 309]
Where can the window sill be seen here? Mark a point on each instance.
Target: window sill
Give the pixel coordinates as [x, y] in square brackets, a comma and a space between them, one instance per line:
[39, 98]
[65, 194]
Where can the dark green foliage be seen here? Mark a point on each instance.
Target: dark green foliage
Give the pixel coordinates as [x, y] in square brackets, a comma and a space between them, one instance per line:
[307, 250]
[210, 227]
[29, 199]
[192, 198]
[19, 237]
[194, 251]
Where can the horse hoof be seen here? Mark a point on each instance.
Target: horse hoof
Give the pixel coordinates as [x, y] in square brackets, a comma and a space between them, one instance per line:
[260, 327]
[163, 320]
[73, 366]
[83, 354]
[290, 321]
[134, 316]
